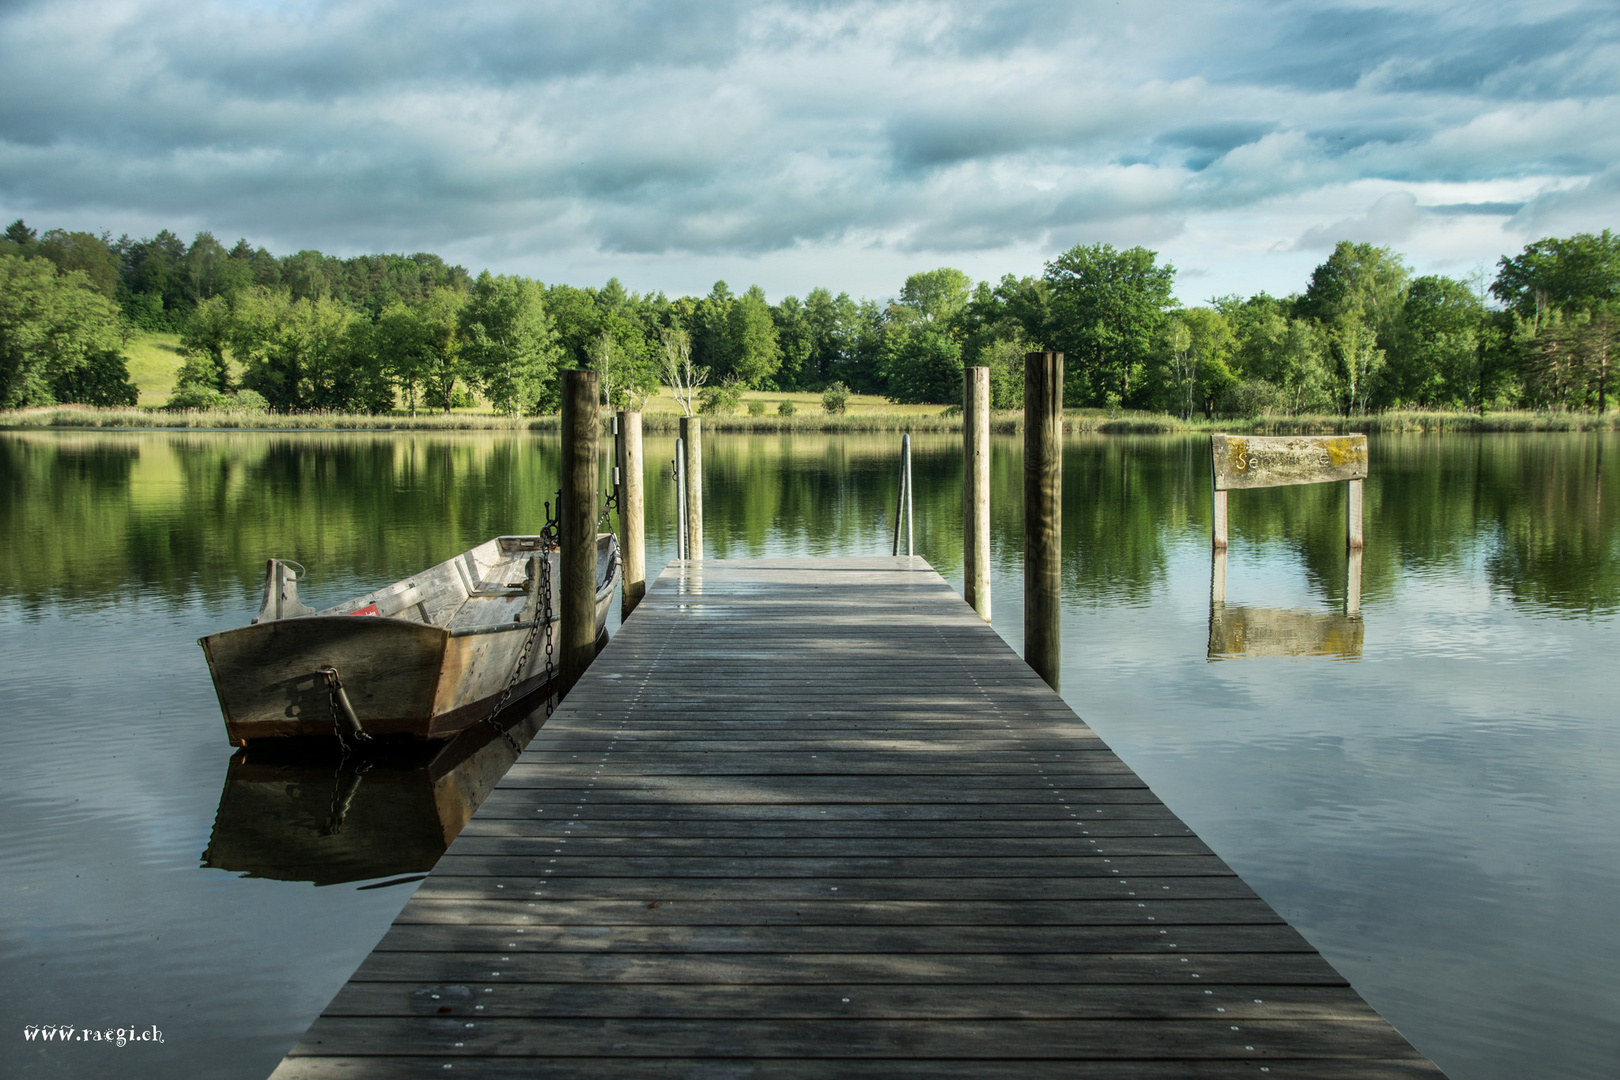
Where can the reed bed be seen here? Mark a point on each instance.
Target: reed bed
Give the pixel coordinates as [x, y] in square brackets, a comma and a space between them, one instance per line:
[1076, 421]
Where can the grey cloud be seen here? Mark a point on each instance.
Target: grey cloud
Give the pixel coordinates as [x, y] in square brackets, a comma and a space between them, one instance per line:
[1388, 220]
[1485, 209]
[1418, 49]
[1572, 209]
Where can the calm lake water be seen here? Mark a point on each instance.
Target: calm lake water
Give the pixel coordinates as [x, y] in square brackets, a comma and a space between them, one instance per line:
[1431, 794]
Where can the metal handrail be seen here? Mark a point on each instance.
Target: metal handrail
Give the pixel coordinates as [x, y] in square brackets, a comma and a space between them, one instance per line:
[680, 499]
[902, 509]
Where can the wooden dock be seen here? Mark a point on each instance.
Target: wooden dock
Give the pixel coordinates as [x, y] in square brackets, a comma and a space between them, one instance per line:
[814, 818]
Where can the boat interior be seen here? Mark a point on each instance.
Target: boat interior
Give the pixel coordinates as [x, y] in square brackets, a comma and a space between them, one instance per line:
[494, 585]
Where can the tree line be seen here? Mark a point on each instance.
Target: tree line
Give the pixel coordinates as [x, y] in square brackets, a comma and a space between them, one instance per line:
[378, 332]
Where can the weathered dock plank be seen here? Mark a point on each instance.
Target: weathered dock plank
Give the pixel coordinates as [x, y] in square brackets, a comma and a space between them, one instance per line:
[814, 818]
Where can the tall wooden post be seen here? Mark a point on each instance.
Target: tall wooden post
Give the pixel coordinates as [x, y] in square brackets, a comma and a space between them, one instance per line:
[976, 489]
[581, 428]
[1043, 512]
[692, 440]
[1352, 582]
[632, 512]
[1353, 538]
[1217, 516]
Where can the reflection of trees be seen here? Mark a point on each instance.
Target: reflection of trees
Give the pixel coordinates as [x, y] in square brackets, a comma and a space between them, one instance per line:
[98, 515]
[168, 513]
[1118, 497]
[1553, 499]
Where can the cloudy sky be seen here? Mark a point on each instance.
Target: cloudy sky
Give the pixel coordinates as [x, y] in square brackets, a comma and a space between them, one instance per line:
[788, 144]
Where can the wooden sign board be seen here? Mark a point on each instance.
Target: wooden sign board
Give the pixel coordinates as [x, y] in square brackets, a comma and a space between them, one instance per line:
[1239, 631]
[1255, 461]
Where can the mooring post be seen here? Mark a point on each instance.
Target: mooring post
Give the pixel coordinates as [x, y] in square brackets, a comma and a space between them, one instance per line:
[1217, 577]
[1352, 518]
[692, 442]
[1217, 503]
[581, 430]
[1043, 512]
[1352, 582]
[976, 489]
[632, 511]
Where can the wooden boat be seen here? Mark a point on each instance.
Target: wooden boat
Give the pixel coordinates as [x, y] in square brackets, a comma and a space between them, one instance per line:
[423, 657]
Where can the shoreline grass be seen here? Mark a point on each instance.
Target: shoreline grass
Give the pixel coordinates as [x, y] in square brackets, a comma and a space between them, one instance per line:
[870, 419]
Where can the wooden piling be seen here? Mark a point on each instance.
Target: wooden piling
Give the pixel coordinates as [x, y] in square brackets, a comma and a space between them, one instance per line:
[692, 441]
[1217, 517]
[581, 427]
[976, 489]
[632, 512]
[1043, 512]
[1353, 538]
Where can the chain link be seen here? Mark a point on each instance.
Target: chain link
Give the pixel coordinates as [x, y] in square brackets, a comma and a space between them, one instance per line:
[541, 622]
[544, 621]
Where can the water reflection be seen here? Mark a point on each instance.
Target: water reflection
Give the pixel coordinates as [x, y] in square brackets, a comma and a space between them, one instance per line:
[300, 813]
[1443, 830]
[1255, 631]
[1258, 631]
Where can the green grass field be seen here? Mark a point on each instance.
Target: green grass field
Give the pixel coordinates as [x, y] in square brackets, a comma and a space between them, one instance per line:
[154, 364]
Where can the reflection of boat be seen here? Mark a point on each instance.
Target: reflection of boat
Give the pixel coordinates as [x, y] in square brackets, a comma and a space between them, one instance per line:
[1244, 631]
[426, 656]
[286, 817]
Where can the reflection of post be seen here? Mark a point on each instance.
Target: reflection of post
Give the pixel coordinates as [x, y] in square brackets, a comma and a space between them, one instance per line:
[632, 519]
[1352, 582]
[976, 489]
[1217, 576]
[1043, 512]
[692, 434]
[1352, 520]
[581, 428]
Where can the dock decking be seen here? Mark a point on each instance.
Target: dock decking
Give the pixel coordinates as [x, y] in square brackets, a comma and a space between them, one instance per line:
[815, 818]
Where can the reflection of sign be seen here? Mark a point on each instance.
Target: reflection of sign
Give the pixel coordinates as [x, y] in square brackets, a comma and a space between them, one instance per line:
[1239, 631]
[1252, 461]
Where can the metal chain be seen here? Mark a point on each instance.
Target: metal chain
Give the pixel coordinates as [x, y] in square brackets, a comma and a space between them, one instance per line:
[344, 749]
[549, 534]
[541, 621]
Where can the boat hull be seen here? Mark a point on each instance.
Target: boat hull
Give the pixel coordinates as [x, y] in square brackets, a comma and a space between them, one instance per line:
[401, 677]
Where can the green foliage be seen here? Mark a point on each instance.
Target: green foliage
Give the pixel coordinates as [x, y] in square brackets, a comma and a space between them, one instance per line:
[508, 343]
[102, 380]
[203, 342]
[59, 338]
[1573, 274]
[936, 296]
[786, 408]
[756, 408]
[86, 253]
[313, 331]
[752, 353]
[923, 365]
[835, 399]
[1106, 310]
[198, 396]
[306, 354]
[721, 399]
